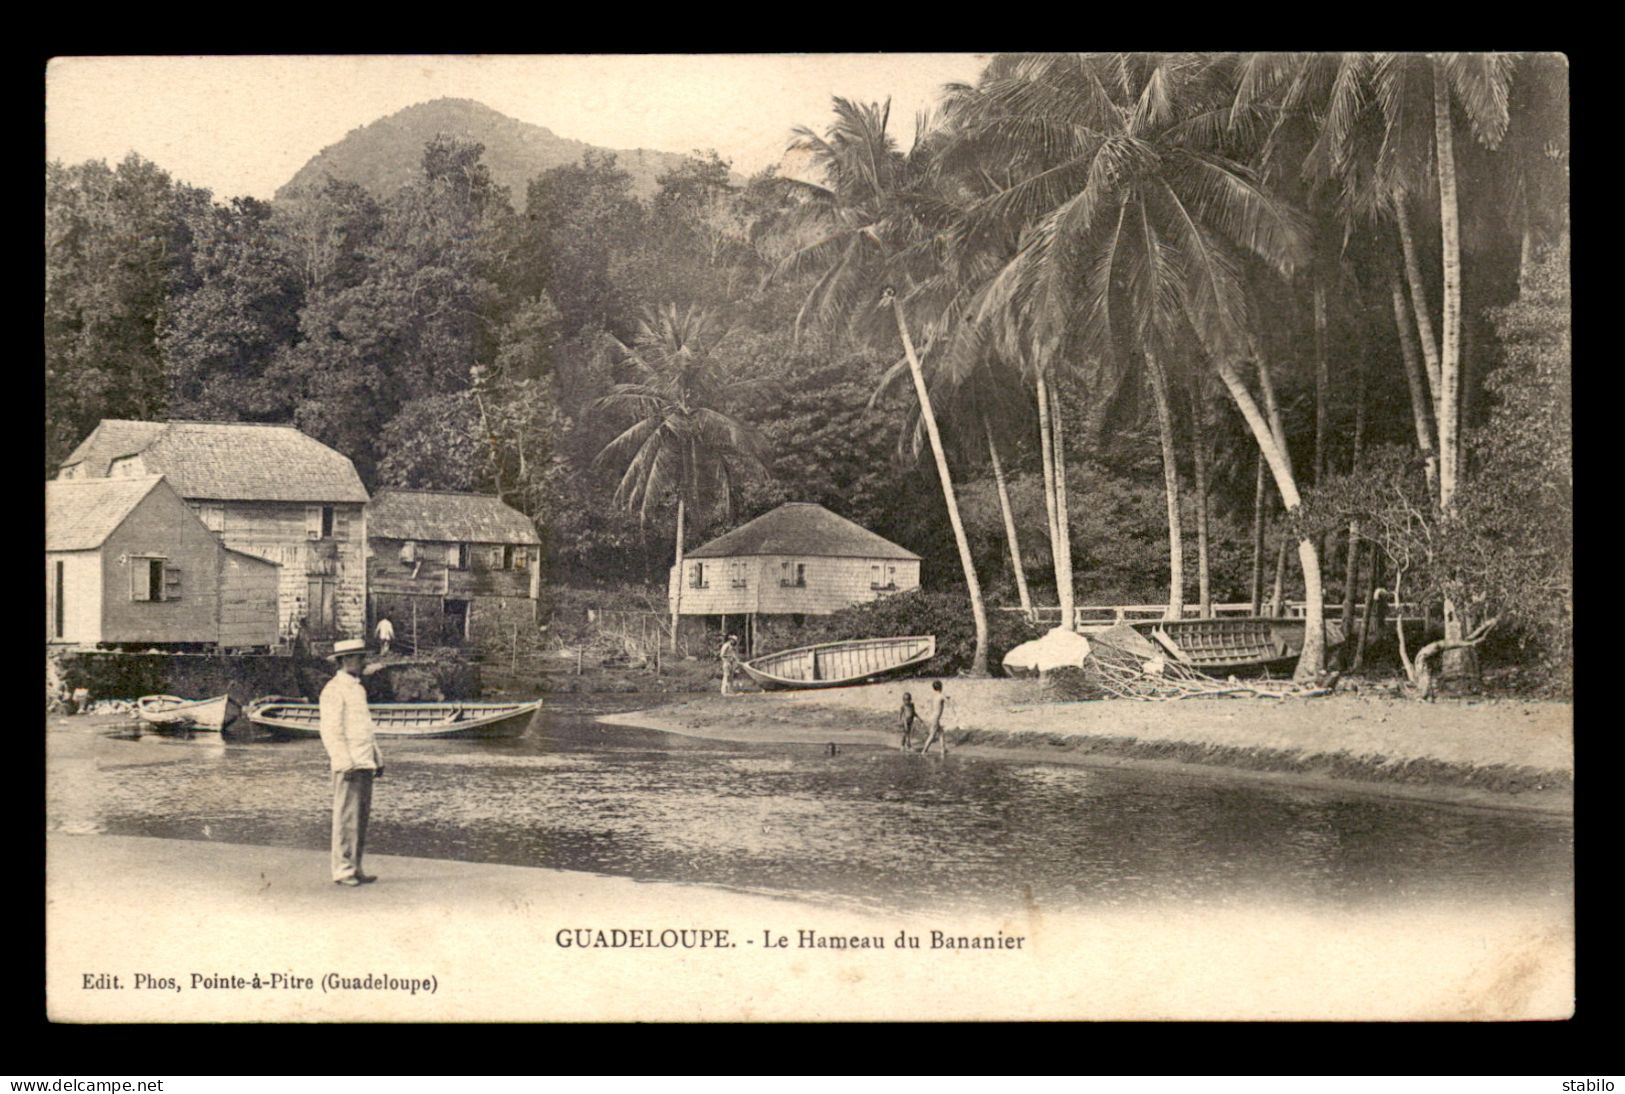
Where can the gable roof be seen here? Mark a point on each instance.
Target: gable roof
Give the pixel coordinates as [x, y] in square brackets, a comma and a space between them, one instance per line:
[447, 515]
[81, 513]
[227, 461]
[113, 438]
[802, 528]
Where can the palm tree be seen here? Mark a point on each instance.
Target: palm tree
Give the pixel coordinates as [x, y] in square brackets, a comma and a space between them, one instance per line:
[872, 214]
[680, 445]
[1136, 224]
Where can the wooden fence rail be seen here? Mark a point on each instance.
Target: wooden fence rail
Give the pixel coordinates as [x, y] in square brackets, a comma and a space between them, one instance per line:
[1105, 615]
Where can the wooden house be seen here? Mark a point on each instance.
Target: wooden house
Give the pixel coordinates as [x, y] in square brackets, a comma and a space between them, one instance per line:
[127, 562]
[266, 490]
[454, 566]
[799, 559]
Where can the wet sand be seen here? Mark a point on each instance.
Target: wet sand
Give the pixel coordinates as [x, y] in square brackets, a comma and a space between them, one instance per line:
[486, 937]
[1491, 752]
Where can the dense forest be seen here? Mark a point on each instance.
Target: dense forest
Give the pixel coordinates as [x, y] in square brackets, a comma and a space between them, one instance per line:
[1216, 323]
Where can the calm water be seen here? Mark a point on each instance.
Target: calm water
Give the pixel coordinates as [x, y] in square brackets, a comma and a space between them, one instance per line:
[868, 827]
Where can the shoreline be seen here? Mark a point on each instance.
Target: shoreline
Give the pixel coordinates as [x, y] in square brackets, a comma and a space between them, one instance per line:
[1505, 754]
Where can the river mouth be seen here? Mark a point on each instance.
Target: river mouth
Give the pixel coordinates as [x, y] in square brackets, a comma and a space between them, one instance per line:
[867, 827]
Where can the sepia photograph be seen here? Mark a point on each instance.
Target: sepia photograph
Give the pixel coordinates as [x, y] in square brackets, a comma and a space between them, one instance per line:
[808, 537]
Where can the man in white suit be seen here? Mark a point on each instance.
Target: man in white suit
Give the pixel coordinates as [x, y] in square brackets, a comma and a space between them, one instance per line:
[352, 749]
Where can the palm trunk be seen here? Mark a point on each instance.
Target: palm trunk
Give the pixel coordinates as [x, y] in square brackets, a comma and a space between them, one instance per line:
[1062, 560]
[1063, 521]
[1170, 479]
[677, 601]
[1449, 345]
[1322, 387]
[1204, 590]
[1351, 567]
[1322, 382]
[1277, 592]
[1009, 522]
[1311, 663]
[1419, 301]
[972, 585]
[1257, 602]
[1413, 378]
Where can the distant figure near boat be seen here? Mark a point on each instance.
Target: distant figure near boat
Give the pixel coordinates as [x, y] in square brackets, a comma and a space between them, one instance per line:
[386, 635]
[730, 661]
[908, 716]
[939, 708]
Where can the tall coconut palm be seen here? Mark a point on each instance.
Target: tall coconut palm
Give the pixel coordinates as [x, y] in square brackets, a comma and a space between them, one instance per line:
[681, 444]
[1137, 224]
[869, 216]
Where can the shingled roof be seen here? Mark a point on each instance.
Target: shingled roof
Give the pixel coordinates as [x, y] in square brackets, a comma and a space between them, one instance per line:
[443, 515]
[81, 513]
[801, 528]
[113, 438]
[227, 461]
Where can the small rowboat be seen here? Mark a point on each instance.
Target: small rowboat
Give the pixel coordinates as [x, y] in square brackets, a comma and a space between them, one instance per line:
[1226, 646]
[297, 718]
[839, 664]
[173, 712]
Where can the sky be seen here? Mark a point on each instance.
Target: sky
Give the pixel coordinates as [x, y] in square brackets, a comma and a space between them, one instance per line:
[242, 126]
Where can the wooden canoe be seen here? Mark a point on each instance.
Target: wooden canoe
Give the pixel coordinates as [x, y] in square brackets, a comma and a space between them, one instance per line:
[1236, 644]
[297, 718]
[840, 664]
[173, 712]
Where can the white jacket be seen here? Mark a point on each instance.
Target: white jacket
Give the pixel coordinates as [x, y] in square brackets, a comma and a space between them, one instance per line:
[347, 728]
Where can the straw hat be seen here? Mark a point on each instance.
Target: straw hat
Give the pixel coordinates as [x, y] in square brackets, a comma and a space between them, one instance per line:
[346, 646]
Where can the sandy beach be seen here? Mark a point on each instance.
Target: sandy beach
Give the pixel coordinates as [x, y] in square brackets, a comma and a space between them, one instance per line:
[1496, 752]
[438, 940]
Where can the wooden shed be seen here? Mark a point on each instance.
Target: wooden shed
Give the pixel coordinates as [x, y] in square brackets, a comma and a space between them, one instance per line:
[799, 559]
[264, 489]
[457, 564]
[127, 562]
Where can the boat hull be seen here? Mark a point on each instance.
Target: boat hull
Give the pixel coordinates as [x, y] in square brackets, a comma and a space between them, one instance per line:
[1236, 646]
[416, 720]
[840, 664]
[173, 712]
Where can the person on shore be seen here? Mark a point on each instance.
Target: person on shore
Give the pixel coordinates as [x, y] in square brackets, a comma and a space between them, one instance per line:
[730, 661]
[909, 717]
[939, 710]
[386, 635]
[352, 750]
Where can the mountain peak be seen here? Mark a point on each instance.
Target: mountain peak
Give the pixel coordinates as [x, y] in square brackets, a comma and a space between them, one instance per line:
[386, 154]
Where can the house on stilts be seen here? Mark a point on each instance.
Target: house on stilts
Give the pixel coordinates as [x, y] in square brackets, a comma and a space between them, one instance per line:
[799, 559]
[264, 490]
[450, 566]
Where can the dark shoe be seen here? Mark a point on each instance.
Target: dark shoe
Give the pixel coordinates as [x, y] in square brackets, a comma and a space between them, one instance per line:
[365, 878]
[350, 882]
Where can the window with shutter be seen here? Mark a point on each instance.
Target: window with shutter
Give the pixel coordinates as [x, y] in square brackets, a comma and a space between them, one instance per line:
[697, 578]
[313, 522]
[521, 558]
[409, 551]
[214, 517]
[172, 582]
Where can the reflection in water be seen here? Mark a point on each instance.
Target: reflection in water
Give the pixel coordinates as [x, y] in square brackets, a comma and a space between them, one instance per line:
[869, 826]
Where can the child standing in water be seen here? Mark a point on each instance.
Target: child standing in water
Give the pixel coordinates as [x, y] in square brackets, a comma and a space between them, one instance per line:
[939, 709]
[909, 717]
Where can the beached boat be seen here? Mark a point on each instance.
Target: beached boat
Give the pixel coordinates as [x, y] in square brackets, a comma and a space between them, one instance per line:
[1227, 646]
[173, 712]
[838, 664]
[297, 718]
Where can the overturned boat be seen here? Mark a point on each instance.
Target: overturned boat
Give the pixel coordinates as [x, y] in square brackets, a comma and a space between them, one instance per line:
[298, 718]
[840, 664]
[1234, 646]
